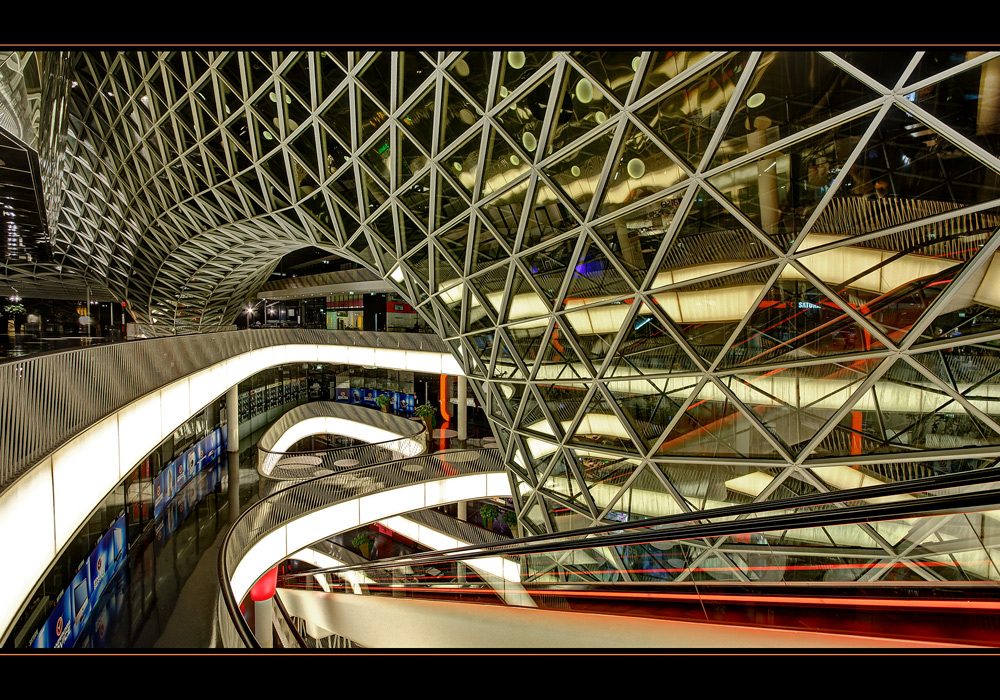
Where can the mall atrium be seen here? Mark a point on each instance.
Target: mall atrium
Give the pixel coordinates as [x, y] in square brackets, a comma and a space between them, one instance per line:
[676, 281]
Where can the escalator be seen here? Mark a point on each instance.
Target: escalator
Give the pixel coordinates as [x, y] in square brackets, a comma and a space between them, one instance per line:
[894, 565]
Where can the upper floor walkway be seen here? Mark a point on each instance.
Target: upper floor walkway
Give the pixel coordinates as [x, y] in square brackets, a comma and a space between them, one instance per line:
[75, 423]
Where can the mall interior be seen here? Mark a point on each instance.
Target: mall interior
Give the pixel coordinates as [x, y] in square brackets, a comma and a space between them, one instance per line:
[336, 349]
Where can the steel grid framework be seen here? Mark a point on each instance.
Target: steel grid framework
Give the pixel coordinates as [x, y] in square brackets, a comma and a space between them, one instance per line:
[677, 280]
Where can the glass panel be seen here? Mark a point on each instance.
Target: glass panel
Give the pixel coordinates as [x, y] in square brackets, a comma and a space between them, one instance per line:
[450, 204]
[666, 65]
[712, 426]
[418, 120]
[648, 348]
[649, 405]
[582, 106]
[972, 370]
[601, 427]
[336, 153]
[378, 155]
[516, 67]
[548, 265]
[488, 248]
[709, 240]
[642, 169]
[417, 200]
[377, 77]
[330, 72]
[908, 172]
[904, 411]
[526, 339]
[576, 174]
[504, 211]
[646, 497]
[686, 117]
[594, 277]
[411, 159]
[524, 300]
[459, 114]
[893, 280]
[547, 218]
[472, 71]
[790, 91]
[615, 70]
[522, 120]
[707, 312]
[795, 320]
[885, 66]
[779, 191]
[563, 399]
[596, 327]
[794, 403]
[559, 360]
[337, 117]
[463, 162]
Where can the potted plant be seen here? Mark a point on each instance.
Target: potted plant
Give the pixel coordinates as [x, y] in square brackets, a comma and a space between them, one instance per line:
[510, 519]
[426, 412]
[383, 401]
[488, 512]
[17, 312]
[364, 541]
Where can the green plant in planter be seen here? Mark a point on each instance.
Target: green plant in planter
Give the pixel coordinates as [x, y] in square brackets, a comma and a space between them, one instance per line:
[383, 401]
[15, 310]
[510, 518]
[425, 410]
[488, 512]
[364, 541]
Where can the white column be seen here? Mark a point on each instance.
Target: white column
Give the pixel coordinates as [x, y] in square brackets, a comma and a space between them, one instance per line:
[463, 411]
[767, 179]
[263, 616]
[233, 465]
[233, 417]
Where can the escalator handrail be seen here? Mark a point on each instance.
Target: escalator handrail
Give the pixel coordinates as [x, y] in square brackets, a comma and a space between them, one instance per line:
[582, 539]
[967, 478]
[288, 621]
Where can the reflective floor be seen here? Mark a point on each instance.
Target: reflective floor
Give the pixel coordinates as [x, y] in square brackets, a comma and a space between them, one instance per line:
[23, 344]
[165, 597]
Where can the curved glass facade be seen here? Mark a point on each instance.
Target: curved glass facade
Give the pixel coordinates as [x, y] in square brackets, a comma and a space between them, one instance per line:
[675, 279]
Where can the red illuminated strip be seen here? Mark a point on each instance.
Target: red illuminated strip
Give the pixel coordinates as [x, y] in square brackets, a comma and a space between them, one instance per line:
[801, 601]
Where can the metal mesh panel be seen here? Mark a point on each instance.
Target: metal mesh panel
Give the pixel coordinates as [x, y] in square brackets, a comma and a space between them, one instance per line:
[47, 400]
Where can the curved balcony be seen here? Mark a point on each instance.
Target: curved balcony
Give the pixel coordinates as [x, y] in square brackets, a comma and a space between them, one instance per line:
[76, 422]
[387, 437]
[294, 518]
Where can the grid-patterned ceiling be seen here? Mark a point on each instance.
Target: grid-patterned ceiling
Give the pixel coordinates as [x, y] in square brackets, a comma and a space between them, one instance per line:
[676, 279]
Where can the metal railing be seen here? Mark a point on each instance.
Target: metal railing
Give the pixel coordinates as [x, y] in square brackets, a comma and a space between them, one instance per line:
[459, 529]
[278, 468]
[47, 400]
[294, 502]
[644, 560]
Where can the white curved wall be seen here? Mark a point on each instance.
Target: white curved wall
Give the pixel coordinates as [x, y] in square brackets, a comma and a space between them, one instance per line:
[42, 510]
[299, 534]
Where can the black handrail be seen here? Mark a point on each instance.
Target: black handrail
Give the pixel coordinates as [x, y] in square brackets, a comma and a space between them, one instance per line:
[288, 621]
[583, 539]
[232, 605]
[640, 532]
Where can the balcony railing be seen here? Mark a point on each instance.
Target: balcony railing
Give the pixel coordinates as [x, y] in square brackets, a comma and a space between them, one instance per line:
[47, 400]
[278, 468]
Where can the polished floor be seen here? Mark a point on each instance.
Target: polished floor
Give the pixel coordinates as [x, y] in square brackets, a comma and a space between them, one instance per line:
[165, 598]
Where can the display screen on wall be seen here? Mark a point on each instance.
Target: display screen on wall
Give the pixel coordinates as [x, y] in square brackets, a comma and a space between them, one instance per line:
[73, 607]
[171, 481]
